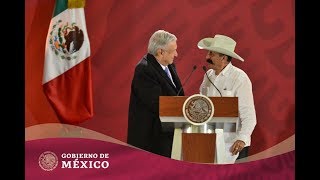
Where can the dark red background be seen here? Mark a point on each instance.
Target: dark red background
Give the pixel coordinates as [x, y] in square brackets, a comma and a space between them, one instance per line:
[119, 32]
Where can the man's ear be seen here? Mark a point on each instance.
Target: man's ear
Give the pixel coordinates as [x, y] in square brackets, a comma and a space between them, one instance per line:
[159, 51]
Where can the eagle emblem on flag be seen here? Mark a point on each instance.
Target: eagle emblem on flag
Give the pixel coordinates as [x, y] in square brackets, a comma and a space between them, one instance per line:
[65, 40]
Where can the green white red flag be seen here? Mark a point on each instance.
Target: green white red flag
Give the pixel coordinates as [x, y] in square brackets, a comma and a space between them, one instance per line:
[67, 81]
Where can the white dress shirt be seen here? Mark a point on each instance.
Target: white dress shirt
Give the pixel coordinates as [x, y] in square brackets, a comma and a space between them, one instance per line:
[234, 82]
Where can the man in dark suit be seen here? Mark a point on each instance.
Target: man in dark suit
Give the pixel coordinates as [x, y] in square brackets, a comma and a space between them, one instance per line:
[155, 75]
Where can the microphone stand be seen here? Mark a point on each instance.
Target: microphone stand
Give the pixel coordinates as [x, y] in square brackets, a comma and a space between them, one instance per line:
[205, 70]
[194, 68]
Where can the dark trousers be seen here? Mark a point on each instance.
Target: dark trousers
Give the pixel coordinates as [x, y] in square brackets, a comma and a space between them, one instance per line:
[163, 145]
[243, 153]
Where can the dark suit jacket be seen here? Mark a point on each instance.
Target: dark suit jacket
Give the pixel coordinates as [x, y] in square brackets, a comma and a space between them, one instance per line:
[144, 127]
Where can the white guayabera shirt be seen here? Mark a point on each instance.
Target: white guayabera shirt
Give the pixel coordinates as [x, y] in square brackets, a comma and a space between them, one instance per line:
[234, 82]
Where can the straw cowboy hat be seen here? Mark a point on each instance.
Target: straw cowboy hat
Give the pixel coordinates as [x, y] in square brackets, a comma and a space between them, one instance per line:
[221, 44]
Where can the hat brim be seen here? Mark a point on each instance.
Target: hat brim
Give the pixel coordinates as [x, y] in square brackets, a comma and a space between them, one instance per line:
[201, 45]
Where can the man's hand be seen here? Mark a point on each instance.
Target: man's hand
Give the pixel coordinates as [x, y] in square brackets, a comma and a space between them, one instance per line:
[237, 147]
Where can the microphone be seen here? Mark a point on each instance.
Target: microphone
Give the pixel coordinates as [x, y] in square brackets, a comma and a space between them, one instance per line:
[205, 70]
[193, 69]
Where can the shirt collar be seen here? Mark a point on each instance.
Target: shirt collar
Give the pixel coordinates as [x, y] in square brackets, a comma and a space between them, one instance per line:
[163, 67]
[226, 70]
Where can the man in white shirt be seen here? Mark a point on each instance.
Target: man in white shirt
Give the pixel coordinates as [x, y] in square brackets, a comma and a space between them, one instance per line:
[224, 79]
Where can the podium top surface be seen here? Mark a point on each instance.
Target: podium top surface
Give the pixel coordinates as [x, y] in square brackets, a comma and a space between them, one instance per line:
[171, 106]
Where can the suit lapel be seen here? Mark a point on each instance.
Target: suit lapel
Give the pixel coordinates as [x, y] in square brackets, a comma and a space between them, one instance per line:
[175, 77]
[158, 67]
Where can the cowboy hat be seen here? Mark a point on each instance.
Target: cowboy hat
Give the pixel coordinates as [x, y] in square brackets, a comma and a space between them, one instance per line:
[221, 44]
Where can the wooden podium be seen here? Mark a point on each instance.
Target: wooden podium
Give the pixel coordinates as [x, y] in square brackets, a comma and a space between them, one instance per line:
[205, 143]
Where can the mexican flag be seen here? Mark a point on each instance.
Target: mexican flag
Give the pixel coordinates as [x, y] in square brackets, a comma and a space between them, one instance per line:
[67, 81]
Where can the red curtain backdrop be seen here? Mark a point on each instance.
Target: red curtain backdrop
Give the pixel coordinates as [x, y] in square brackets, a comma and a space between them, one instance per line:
[119, 32]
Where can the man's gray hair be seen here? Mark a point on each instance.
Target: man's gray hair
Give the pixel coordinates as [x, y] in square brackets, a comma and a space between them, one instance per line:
[160, 39]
